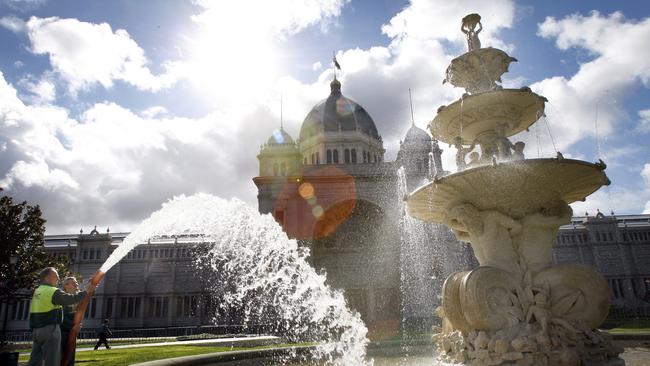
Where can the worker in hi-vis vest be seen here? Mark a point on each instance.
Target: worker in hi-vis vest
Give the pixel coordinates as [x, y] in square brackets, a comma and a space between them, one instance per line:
[46, 316]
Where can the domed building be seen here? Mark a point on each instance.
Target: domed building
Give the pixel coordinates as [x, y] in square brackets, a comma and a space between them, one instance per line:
[338, 196]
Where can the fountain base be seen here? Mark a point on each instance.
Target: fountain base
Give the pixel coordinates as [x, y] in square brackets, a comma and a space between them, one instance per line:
[492, 318]
[527, 347]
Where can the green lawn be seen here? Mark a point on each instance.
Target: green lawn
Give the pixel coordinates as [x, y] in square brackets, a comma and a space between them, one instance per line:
[129, 356]
[632, 326]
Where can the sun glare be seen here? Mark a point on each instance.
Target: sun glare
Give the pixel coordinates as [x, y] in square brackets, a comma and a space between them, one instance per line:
[233, 59]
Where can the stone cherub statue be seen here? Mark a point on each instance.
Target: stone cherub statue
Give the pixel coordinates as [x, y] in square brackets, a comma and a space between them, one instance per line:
[468, 26]
[504, 145]
[461, 152]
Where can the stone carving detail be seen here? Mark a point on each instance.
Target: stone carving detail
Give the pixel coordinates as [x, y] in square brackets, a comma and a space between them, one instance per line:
[516, 307]
[469, 27]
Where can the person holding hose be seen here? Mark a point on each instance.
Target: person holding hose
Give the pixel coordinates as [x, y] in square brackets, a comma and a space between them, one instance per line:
[46, 316]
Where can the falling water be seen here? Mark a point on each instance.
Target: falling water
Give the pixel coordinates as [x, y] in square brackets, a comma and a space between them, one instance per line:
[261, 272]
[429, 254]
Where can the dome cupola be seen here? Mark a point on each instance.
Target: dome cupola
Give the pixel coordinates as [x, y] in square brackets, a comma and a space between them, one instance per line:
[338, 130]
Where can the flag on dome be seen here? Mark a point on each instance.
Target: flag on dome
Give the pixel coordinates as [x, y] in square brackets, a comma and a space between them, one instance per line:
[336, 63]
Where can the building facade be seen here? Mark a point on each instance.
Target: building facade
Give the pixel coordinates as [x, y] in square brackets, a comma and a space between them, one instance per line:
[152, 287]
[333, 190]
[619, 247]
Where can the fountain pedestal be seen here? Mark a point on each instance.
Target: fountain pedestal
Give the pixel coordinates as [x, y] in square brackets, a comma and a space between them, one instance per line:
[516, 307]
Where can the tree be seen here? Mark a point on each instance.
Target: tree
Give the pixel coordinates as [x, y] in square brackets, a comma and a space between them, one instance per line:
[22, 256]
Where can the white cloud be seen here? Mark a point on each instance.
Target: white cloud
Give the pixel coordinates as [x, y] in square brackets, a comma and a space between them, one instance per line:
[645, 174]
[13, 23]
[41, 91]
[441, 20]
[316, 66]
[85, 54]
[644, 121]
[155, 111]
[38, 173]
[587, 102]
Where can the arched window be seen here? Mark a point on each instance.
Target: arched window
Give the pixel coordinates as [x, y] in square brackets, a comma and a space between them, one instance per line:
[304, 161]
[375, 159]
[313, 161]
[283, 169]
[329, 156]
[347, 156]
[317, 157]
[364, 156]
[336, 156]
[275, 169]
[354, 156]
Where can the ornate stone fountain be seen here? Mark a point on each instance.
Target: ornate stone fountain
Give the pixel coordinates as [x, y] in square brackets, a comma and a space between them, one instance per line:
[516, 307]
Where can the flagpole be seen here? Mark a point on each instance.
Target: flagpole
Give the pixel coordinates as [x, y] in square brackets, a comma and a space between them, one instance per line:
[411, 104]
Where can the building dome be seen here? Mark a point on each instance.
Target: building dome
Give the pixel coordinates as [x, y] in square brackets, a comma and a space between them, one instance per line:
[279, 137]
[337, 112]
[416, 134]
[416, 138]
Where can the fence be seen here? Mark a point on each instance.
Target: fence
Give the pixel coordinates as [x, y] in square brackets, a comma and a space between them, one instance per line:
[156, 334]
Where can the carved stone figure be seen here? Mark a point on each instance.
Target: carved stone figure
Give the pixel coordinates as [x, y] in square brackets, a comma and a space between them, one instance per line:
[468, 26]
[473, 159]
[461, 152]
[504, 145]
[518, 153]
[489, 232]
[534, 242]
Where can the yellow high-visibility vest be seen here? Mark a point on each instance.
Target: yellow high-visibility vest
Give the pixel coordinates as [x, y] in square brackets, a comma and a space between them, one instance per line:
[42, 311]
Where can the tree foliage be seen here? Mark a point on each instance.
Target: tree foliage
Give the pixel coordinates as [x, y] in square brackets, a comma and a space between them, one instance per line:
[22, 231]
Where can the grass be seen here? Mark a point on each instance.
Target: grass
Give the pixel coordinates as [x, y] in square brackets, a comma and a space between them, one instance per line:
[633, 326]
[129, 356]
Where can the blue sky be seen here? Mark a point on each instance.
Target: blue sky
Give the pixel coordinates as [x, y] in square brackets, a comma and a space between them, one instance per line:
[108, 109]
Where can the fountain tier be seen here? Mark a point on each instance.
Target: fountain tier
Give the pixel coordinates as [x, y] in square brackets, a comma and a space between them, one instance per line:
[479, 70]
[515, 188]
[476, 115]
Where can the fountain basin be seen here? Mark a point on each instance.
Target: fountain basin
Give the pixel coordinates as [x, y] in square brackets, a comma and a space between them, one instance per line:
[515, 188]
[474, 115]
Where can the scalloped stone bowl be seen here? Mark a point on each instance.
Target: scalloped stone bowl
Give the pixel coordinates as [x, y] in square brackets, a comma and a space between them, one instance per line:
[516, 188]
[477, 114]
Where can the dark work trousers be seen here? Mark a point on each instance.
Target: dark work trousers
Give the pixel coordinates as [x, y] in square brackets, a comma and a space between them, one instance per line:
[102, 339]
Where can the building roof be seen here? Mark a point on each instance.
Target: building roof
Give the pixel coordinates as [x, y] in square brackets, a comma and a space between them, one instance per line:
[279, 137]
[622, 221]
[338, 112]
[416, 138]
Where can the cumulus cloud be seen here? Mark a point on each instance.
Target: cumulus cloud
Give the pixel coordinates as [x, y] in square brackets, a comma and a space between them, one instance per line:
[111, 165]
[38, 173]
[644, 121]
[41, 91]
[86, 54]
[13, 23]
[123, 163]
[587, 102]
